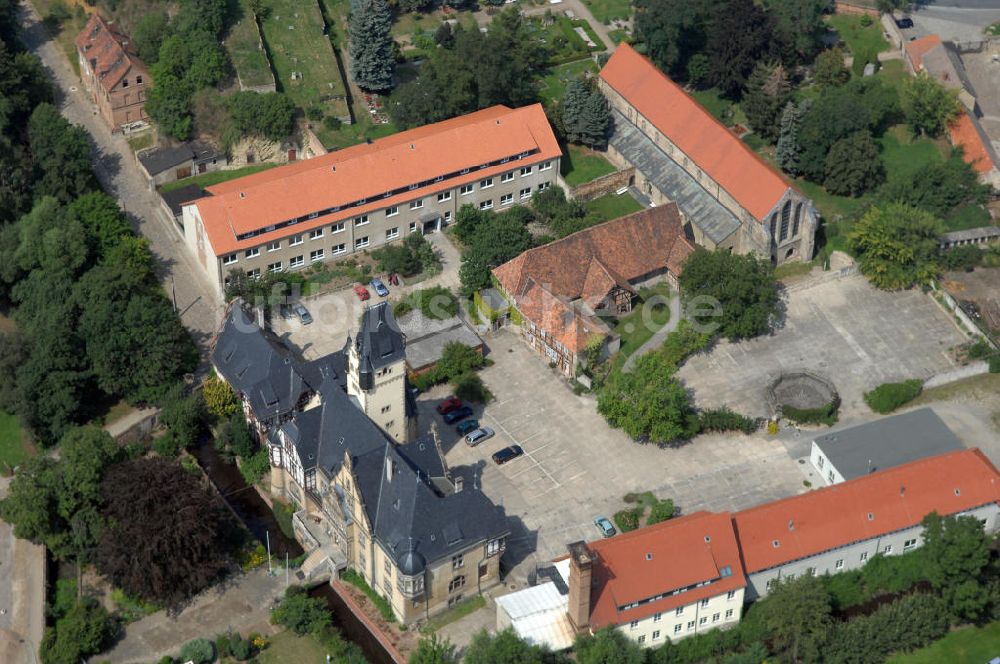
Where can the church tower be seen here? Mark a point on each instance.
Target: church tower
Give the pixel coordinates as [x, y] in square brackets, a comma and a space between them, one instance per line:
[376, 371]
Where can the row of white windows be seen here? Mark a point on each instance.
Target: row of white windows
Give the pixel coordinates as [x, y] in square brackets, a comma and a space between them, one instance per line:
[679, 627]
[908, 545]
[507, 199]
[679, 611]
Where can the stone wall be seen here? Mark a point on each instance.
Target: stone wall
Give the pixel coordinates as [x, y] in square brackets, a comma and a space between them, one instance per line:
[605, 184]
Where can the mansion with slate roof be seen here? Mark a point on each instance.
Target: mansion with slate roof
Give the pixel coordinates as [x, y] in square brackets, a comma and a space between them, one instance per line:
[340, 432]
[728, 195]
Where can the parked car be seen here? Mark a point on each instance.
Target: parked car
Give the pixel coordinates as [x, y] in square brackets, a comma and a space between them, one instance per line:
[304, 316]
[905, 22]
[467, 426]
[605, 526]
[448, 405]
[507, 454]
[361, 292]
[457, 414]
[379, 287]
[478, 436]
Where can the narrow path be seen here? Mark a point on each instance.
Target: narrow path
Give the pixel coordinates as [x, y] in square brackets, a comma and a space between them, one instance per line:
[659, 336]
[115, 166]
[22, 595]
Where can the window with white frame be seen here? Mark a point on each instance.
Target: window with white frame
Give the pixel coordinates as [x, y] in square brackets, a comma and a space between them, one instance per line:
[295, 241]
[361, 242]
[545, 166]
[316, 255]
[413, 227]
[716, 617]
[657, 617]
[392, 211]
[887, 549]
[731, 595]
[864, 556]
[229, 259]
[909, 544]
[252, 253]
[274, 267]
[703, 620]
[526, 170]
[679, 611]
[392, 233]
[296, 261]
[457, 561]
[338, 249]
[444, 196]
[678, 627]
[337, 227]
[254, 273]
[729, 614]
[839, 564]
[361, 221]
[543, 186]
[316, 234]
[466, 189]
[274, 246]
[507, 177]
[486, 205]
[656, 635]
[690, 625]
[704, 603]
[641, 639]
[770, 583]
[820, 461]
[525, 193]
[417, 204]
[447, 217]
[486, 184]
[506, 199]
[634, 624]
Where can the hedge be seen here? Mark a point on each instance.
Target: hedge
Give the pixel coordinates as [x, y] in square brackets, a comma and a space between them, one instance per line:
[889, 396]
[723, 419]
[627, 520]
[907, 623]
[825, 414]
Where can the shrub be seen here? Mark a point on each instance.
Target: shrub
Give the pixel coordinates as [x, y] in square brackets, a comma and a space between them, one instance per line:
[979, 350]
[199, 651]
[662, 510]
[383, 606]
[470, 387]
[240, 649]
[907, 623]
[301, 613]
[825, 414]
[254, 467]
[627, 520]
[995, 364]
[889, 396]
[723, 419]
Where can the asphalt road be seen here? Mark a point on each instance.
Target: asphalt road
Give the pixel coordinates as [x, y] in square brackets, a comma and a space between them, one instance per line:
[118, 173]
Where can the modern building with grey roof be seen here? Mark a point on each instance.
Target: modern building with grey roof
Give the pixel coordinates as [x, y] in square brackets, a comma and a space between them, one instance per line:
[891, 441]
[422, 534]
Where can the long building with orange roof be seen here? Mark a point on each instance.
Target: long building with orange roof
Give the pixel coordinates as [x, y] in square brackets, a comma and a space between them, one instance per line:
[695, 573]
[729, 196]
[368, 195]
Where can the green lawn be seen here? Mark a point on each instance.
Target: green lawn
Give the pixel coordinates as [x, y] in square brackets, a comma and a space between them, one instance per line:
[244, 48]
[972, 645]
[904, 155]
[215, 177]
[287, 647]
[293, 33]
[456, 613]
[715, 104]
[13, 445]
[636, 328]
[618, 36]
[606, 11]
[579, 166]
[553, 84]
[612, 206]
[860, 39]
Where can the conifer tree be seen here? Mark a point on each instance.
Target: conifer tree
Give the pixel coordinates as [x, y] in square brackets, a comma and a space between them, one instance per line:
[372, 59]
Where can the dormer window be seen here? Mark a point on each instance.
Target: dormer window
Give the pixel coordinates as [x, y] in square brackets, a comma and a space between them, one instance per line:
[124, 82]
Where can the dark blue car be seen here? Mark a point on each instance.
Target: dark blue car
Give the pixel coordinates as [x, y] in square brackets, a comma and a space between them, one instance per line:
[467, 426]
[457, 414]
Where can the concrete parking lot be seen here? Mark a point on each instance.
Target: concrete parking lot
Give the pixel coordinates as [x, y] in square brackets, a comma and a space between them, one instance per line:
[575, 467]
[336, 314]
[855, 335]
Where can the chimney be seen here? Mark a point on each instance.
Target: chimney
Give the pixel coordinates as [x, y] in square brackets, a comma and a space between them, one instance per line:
[580, 567]
[459, 483]
[390, 469]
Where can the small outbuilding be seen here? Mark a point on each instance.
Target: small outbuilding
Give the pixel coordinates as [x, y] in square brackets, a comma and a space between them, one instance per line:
[426, 338]
[891, 441]
[161, 165]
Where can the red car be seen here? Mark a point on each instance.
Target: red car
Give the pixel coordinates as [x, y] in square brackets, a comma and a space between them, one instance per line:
[448, 405]
[361, 292]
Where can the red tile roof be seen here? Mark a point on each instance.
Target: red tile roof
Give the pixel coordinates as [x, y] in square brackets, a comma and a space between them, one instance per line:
[963, 134]
[723, 156]
[369, 170]
[863, 508]
[660, 559]
[916, 49]
[587, 264]
[113, 51]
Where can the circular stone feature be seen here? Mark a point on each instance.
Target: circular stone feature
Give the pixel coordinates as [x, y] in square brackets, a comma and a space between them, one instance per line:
[803, 390]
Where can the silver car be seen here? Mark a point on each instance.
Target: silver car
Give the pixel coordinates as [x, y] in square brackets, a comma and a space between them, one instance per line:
[478, 436]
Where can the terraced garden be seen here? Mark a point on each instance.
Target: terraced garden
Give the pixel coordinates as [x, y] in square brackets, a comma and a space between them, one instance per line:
[247, 53]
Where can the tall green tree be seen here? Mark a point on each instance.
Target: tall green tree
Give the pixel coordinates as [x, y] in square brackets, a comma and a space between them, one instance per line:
[797, 615]
[928, 105]
[938, 187]
[84, 630]
[149, 34]
[897, 245]
[648, 403]
[766, 94]
[434, 650]
[585, 114]
[104, 222]
[853, 165]
[503, 648]
[739, 36]
[608, 646]
[492, 244]
[799, 27]
[271, 115]
[372, 59]
[301, 613]
[61, 154]
[674, 31]
[831, 71]
[787, 150]
[958, 554]
[742, 290]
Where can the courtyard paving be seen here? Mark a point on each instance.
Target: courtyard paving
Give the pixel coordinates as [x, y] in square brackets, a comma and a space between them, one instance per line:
[855, 335]
[576, 467]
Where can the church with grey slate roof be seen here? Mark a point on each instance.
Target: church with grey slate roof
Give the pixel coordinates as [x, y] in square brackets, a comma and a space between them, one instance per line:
[373, 496]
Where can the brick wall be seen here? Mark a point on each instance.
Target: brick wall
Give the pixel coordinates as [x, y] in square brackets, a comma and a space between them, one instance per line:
[602, 185]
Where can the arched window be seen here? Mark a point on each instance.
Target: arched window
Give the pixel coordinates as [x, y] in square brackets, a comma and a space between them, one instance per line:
[786, 213]
[798, 219]
[774, 226]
